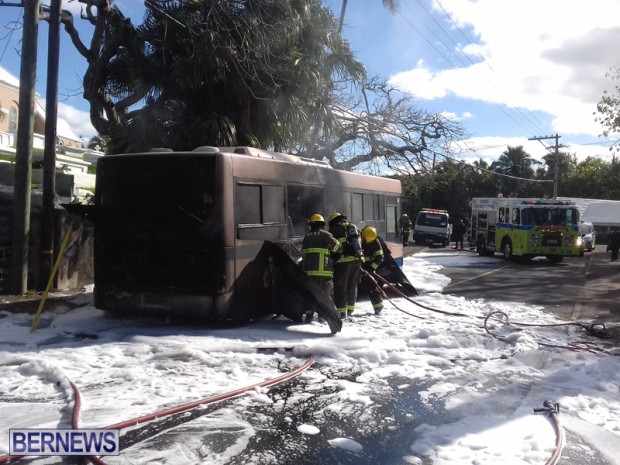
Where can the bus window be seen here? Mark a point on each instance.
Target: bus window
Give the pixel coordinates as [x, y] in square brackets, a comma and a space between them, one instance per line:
[303, 202]
[248, 204]
[273, 204]
[369, 208]
[501, 214]
[515, 216]
[391, 219]
[260, 204]
[379, 208]
[357, 207]
[482, 221]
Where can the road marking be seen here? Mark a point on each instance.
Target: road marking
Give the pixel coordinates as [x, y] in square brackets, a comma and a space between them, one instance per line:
[476, 277]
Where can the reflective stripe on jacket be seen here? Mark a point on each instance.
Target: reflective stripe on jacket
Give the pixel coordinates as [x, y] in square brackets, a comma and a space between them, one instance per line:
[373, 255]
[317, 249]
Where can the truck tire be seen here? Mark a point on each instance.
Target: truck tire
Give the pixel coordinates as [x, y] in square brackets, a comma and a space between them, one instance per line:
[507, 249]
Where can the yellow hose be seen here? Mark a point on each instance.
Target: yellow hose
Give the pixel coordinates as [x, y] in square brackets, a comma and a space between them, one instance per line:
[35, 323]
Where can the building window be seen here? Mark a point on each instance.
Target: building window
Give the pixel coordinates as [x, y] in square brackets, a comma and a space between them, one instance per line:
[13, 119]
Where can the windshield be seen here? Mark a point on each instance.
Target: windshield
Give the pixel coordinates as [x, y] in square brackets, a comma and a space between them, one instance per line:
[437, 220]
[547, 216]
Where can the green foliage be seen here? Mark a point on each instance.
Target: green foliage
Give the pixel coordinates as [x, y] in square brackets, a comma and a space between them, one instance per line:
[608, 107]
[221, 73]
[452, 184]
[99, 143]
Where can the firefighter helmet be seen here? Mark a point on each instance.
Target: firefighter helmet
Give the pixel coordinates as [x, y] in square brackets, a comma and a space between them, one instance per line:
[317, 218]
[369, 233]
[334, 216]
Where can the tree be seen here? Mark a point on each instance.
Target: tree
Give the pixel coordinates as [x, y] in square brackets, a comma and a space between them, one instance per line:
[99, 143]
[482, 181]
[609, 108]
[589, 179]
[515, 163]
[210, 73]
[567, 165]
[382, 128]
[270, 74]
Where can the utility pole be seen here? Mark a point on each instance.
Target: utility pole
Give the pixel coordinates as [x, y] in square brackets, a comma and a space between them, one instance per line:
[23, 157]
[49, 153]
[556, 169]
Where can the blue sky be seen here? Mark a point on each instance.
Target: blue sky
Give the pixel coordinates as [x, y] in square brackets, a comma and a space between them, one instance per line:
[508, 70]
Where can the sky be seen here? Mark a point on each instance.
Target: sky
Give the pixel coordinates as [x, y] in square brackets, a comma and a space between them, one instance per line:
[465, 396]
[508, 70]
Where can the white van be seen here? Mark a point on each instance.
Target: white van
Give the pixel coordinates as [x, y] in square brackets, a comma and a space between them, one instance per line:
[588, 236]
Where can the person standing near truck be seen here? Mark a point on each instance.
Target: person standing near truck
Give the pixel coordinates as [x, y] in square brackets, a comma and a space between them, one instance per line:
[405, 228]
[459, 231]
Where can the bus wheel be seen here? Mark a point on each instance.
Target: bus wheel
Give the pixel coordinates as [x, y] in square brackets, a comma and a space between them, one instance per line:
[507, 249]
[555, 258]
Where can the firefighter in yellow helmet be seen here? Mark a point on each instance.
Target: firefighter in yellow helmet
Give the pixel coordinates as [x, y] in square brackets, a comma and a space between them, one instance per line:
[373, 257]
[347, 268]
[318, 251]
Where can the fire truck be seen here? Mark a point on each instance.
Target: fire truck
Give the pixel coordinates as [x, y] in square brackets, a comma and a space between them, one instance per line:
[525, 227]
[432, 226]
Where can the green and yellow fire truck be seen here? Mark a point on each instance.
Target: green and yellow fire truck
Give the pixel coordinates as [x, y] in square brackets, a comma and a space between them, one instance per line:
[525, 227]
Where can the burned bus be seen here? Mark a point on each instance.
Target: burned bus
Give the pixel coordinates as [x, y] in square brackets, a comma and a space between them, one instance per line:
[203, 233]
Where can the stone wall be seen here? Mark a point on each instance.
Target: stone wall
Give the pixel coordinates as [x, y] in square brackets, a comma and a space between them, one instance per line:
[76, 265]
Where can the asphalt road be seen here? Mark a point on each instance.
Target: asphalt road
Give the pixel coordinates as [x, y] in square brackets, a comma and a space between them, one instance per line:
[584, 289]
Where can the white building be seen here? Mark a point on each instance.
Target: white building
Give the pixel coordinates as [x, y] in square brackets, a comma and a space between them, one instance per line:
[72, 156]
[603, 214]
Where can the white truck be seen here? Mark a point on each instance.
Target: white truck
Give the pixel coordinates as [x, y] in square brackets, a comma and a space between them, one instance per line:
[432, 226]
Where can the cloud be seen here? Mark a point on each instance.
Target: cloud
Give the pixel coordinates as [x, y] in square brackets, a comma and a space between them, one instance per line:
[535, 55]
[489, 148]
[78, 120]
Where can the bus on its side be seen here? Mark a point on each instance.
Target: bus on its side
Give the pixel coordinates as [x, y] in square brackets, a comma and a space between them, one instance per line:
[181, 233]
[525, 227]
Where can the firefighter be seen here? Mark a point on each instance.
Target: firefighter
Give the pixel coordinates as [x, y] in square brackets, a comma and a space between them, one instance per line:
[405, 228]
[373, 257]
[348, 267]
[318, 251]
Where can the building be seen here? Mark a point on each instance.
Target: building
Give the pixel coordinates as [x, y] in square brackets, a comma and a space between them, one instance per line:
[603, 214]
[73, 161]
[71, 155]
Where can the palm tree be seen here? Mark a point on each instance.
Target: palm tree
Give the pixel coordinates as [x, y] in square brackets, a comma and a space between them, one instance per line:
[392, 5]
[515, 163]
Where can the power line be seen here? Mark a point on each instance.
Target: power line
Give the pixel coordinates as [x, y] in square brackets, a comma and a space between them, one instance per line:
[483, 58]
[514, 114]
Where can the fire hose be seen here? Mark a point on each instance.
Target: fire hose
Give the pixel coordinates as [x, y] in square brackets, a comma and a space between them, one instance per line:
[371, 276]
[170, 411]
[594, 329]
[553, 409]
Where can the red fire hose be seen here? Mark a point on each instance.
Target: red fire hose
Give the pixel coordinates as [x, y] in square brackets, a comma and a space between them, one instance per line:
[167, 412]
